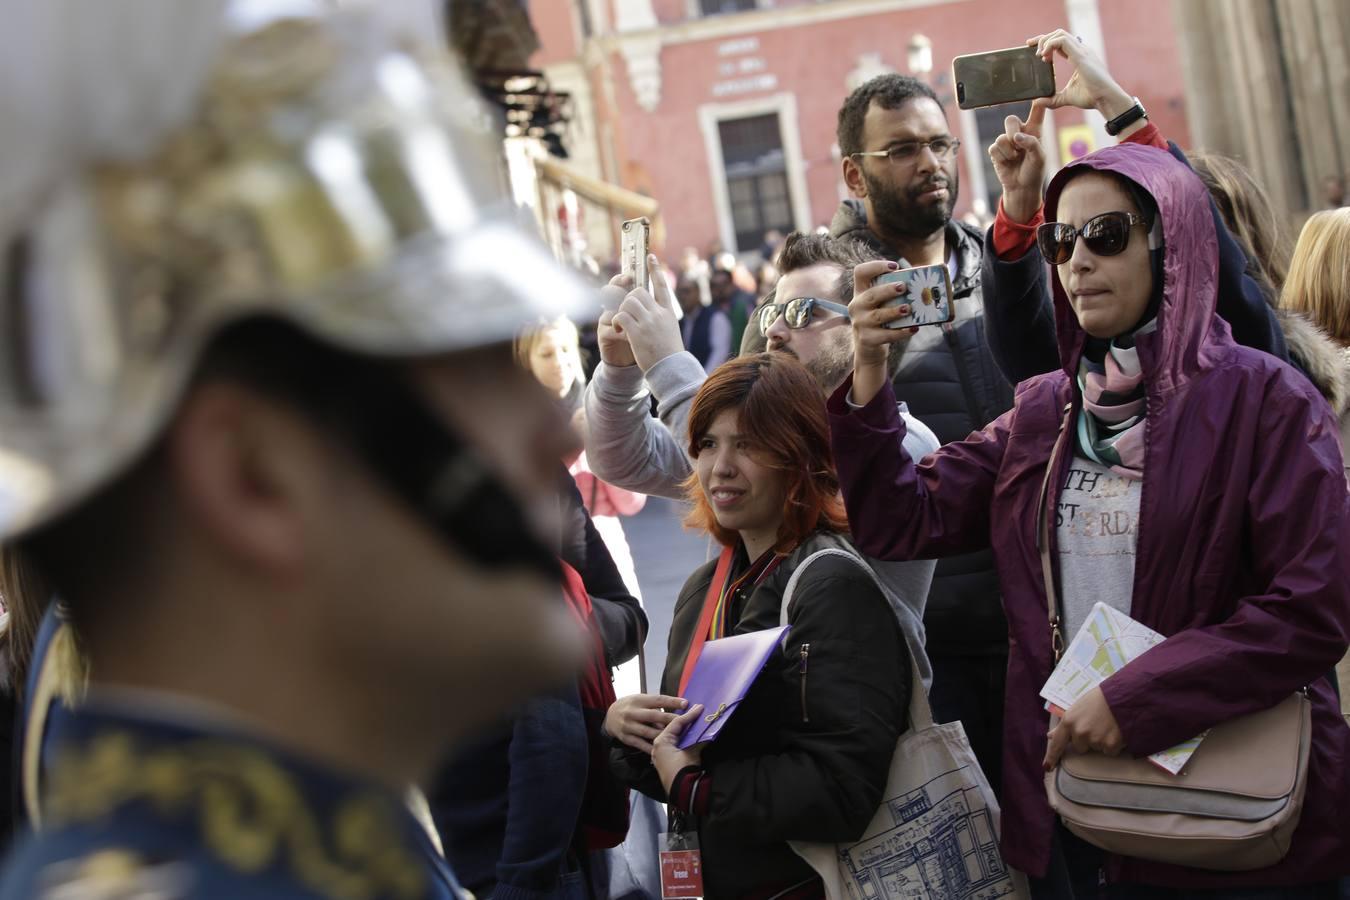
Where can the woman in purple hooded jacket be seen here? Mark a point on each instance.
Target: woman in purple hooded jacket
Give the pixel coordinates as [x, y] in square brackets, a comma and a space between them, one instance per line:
[1199, 489]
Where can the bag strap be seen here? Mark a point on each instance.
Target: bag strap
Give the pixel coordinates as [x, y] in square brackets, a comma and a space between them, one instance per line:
[1043, 540]
[920, 713]
[720, 576]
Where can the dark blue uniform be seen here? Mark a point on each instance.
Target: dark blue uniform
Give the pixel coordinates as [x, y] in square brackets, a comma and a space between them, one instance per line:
[159, 806]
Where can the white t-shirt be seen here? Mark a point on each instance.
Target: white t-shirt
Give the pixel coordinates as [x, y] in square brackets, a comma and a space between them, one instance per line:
[1097, 529]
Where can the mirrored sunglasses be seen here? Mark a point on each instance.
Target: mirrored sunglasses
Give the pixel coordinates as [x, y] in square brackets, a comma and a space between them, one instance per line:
[796, 313]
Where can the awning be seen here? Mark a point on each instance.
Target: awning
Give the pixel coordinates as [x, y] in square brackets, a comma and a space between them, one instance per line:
[629, 204]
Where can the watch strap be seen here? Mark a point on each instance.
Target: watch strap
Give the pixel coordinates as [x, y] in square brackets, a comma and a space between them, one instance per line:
[1127, 118]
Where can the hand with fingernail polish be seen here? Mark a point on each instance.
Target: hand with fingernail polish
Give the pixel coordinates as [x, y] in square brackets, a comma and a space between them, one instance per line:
[870, 311]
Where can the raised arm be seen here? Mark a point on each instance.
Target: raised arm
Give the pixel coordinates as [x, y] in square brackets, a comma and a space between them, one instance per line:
[625, 446]
[897, 509]
[1019, 315]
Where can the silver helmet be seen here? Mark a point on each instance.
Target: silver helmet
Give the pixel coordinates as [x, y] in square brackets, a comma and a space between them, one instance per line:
[323, 169]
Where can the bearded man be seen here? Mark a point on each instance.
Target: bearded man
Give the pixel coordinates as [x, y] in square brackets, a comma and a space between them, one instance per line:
[900, 165]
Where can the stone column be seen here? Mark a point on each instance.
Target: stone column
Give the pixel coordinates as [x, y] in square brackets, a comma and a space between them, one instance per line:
[1268, 82]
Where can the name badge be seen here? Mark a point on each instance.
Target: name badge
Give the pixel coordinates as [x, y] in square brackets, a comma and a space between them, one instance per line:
[681, 866]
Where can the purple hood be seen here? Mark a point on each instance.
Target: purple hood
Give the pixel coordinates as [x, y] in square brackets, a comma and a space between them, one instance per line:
[1178, 349]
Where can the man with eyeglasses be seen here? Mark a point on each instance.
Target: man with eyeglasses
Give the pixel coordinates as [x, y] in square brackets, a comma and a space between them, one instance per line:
[900, 165]
[642, 356]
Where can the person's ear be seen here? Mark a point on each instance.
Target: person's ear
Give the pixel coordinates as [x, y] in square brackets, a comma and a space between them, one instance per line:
[241, 466]
[853, 177]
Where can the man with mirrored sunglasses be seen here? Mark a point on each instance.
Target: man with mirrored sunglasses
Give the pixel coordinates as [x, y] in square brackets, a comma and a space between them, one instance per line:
[796, 313]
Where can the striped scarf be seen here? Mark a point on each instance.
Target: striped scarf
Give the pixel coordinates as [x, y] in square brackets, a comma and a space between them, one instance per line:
[1111, 424]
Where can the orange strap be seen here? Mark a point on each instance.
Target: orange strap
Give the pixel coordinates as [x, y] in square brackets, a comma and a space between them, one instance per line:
[705, 618]
[574, 590]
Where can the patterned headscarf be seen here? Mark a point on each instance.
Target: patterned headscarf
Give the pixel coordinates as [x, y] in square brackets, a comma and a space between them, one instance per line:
[1111, 425]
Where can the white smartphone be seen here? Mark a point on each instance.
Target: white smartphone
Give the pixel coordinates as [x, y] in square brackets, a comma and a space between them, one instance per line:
[929, 296]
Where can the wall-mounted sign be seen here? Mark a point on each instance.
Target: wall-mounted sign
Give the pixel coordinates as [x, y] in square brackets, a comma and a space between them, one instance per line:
[743, 66]
[738, 46]
[739, 69]
[1075, 141]
[745, 85]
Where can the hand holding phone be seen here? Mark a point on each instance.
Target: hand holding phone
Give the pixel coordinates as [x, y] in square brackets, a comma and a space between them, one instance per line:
[928, 296]
[875, 303]
[1091, 85]
[1002, 76]
[647, 318]
[615, 349]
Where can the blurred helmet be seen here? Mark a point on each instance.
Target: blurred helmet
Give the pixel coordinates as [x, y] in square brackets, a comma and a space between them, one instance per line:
[164, 175]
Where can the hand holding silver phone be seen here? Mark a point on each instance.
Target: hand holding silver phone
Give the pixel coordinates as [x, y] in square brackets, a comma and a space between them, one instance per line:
[635, 237]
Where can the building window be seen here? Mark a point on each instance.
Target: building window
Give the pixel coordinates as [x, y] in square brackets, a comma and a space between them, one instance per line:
[718, 7]
[988, 126]
[756, 173]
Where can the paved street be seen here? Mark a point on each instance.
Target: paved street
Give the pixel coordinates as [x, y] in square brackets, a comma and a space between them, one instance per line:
[664, 554]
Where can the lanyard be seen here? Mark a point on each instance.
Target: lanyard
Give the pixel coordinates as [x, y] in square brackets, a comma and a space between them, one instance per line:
[754, 576]
[712, 620]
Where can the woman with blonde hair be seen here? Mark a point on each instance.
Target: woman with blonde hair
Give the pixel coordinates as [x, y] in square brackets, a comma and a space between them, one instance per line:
[1319, 287]
[551, 351]
[1319, 274]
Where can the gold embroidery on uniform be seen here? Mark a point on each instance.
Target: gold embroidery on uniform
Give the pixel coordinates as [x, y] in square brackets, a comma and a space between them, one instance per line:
[248, 809]
[114, 874]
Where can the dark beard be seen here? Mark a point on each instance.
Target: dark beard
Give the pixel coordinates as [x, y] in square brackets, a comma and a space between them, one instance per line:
[899, 212]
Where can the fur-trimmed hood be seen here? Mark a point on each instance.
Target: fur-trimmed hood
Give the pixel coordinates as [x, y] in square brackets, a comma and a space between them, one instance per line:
[1326, 364]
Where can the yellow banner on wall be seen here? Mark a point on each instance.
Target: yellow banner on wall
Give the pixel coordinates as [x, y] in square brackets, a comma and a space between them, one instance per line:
[1076, 141]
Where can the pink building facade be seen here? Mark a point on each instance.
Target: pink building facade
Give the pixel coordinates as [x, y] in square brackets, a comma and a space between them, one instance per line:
[724, 111]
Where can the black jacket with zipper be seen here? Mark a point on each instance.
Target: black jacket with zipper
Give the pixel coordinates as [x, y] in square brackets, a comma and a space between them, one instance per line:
[807, 753]
[949, 379]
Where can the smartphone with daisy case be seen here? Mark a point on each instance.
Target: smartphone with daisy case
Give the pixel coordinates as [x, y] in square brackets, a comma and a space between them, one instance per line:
[929, 296]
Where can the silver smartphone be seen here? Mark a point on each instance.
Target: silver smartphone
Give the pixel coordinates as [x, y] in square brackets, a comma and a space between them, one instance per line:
[1001, 76]
[929, 296]
[635, 238]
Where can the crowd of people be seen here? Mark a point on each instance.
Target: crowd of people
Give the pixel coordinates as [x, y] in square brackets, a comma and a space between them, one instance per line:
[314, 577]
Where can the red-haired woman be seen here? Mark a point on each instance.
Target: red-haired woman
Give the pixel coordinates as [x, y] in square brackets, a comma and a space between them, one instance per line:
[807, 753]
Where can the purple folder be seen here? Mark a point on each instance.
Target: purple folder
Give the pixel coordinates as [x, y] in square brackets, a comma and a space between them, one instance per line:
[724, 672]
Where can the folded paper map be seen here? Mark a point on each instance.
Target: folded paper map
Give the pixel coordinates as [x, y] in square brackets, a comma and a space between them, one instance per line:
[1107, 641]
